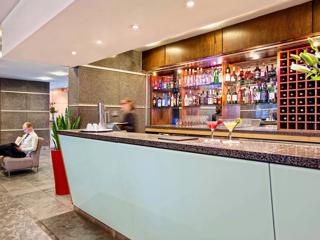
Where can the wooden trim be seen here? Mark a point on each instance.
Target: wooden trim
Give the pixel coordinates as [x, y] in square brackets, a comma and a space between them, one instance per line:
[253, 135]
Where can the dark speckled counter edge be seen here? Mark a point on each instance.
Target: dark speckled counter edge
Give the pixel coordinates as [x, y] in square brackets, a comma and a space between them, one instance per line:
[274, 132]
[287, 160]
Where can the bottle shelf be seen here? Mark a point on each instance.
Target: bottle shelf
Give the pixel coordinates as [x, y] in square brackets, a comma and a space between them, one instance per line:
[299, 97]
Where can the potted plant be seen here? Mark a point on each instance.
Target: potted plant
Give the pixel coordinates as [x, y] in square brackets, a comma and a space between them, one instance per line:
[310, 62]
[61, 123]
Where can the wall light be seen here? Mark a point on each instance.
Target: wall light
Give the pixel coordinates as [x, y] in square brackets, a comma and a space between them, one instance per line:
[44, 78]
[190, 4]
[74, 53]
[135, 27]
[59, 73]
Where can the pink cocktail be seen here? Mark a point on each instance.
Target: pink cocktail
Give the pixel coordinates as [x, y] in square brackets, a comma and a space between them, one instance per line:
[213, 125]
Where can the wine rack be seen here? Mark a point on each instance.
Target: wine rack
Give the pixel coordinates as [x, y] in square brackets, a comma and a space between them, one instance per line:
[298, 97]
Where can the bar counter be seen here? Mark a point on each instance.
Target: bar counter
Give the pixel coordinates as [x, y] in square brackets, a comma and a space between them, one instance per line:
[266, 132]
[286, 153]
[151, 189]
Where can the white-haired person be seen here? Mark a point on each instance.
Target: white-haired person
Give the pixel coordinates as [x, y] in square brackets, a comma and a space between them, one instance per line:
[23, 146]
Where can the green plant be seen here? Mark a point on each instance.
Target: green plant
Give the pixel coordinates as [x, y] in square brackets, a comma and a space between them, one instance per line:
[63, 123]
[311, 61]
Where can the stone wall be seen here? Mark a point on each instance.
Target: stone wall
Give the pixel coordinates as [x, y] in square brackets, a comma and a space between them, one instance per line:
[110, 84]
[23, 101]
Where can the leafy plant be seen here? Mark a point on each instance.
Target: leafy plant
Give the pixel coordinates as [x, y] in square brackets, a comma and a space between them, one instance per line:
[311, 61]
[65, 122]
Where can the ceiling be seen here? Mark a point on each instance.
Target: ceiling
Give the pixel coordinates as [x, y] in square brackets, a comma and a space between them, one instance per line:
[83, 22]
[32, 71]
[76, 25]
[6, 8]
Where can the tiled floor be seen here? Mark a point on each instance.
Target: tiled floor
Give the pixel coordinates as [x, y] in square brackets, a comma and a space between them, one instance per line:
[29, 208]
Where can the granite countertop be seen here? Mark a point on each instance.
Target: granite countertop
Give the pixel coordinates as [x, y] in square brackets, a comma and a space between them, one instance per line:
[285, 153]
[265, 129]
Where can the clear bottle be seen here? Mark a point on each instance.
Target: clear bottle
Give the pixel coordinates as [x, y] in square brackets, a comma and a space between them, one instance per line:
[229, 96]
[210, 98]
[228, 75]
[186, 100]
[234, 97]
[257, 73]
[234, 75]
[154, 101]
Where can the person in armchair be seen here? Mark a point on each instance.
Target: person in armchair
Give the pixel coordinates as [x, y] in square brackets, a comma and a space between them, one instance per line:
[23, 146]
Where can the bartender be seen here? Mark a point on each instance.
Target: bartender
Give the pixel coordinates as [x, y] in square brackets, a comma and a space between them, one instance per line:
[129, 117]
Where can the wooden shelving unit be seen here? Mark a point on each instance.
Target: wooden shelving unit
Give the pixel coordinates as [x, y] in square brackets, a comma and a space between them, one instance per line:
[298, 97]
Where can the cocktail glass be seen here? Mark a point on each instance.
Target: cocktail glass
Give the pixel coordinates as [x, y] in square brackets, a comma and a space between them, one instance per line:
[213, 125]
[231, 125]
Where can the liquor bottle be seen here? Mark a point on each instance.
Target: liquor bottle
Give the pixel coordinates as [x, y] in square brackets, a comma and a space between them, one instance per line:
[179, 100]
[216, 76]
[229, 96]
[159, 84]
[191, 98]
[220, 75]
[241, 96]
[257, 73]
[247, 96]
[155, 85]
[255, 95]
[154, 101]
[263, 95]
[228, 76]
[241, 76]
[215, 97]
[273, 74]
[258, 95]
[210, 98]
[202, 96]
[206, 98]
[186, 100]
[159, 102]
[172, 100]
[234, 75]
[268, 76]
[164, 101]
[234, 97]
[272, 95]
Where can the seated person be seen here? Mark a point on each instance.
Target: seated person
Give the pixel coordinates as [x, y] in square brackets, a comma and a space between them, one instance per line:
[23, 146]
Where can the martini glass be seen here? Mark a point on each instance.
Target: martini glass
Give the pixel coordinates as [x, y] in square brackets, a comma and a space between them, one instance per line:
[213, 125]
[231, 125]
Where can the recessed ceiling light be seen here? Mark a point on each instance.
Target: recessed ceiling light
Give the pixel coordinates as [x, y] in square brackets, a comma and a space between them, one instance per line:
[0, 54]
[190, 4]
[59, 73]
[99, 42]
[74, 53]
[44, 78]
[135, 27]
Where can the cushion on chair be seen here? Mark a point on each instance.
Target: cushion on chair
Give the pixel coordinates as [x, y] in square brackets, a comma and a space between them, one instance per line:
[10, 163]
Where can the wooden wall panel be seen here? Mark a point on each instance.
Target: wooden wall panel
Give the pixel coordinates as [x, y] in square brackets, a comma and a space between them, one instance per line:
[316, 15]
[201, 46]
[153, 58]
[275, 27]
